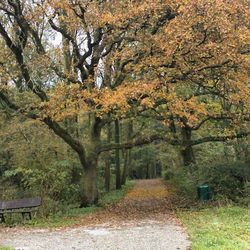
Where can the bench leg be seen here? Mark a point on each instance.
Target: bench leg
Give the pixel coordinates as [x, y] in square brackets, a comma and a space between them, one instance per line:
[29, 214]
[2, 218]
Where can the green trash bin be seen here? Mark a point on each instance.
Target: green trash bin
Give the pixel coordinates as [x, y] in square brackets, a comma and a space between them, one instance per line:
[203, 192]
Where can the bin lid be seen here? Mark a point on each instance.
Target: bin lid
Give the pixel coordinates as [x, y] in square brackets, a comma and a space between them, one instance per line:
[203, 186]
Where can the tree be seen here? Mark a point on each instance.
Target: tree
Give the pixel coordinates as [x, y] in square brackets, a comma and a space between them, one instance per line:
[201, 62]
[184, 63]
[65, 80]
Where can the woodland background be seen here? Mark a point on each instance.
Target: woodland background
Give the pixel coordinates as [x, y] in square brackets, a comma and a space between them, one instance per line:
[93, 93]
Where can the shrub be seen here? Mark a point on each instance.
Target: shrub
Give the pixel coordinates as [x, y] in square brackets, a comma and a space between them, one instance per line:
[228, 180]
[183, 181]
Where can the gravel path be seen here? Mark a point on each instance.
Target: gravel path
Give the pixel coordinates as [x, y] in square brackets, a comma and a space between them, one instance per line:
[143, 220]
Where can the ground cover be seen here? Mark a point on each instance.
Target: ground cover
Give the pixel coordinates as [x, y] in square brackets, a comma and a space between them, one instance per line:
[218, 228]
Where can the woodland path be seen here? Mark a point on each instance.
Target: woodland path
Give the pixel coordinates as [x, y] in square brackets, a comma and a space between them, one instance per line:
[143, 220]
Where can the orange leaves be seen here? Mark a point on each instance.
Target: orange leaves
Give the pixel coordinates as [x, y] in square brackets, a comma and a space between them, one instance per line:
[124, 98]
[156, 192]
[209, 29]
[192, 110]
[192, 53]
[68, 100]
[64, 102]
[119, 12]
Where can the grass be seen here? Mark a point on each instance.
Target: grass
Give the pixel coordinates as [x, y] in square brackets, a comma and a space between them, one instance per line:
[69, 218]
[5, 248]
[72, 216]
[222, 228]
[115, 195]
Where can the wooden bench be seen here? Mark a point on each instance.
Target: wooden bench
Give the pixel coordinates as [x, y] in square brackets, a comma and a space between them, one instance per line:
[23, 206]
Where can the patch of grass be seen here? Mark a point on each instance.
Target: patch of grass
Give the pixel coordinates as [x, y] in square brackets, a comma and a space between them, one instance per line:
[115, 195]
[72, 216]
[5, 248]
[69, 218]
[222, 228]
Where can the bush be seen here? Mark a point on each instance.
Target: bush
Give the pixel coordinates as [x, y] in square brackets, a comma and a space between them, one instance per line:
[246, 198]
[181, 179]
[228, 180]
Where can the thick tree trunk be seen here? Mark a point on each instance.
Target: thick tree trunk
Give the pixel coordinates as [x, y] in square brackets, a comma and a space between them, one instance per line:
[117, 156]
[187, 153]
[188, 156]
[90, 191]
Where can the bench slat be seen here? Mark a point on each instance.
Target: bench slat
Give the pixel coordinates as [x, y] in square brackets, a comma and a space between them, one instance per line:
[20, 203]
[18, 211]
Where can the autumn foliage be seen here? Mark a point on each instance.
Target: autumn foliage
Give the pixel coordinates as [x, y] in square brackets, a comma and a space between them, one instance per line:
[183, 62]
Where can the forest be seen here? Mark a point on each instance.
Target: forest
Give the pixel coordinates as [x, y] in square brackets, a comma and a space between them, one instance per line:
[94, 94]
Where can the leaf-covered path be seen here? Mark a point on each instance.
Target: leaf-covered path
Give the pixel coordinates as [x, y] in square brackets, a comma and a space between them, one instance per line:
[142, 220]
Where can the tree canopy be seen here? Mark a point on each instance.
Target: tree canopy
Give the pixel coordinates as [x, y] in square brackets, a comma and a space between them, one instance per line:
[78, 66]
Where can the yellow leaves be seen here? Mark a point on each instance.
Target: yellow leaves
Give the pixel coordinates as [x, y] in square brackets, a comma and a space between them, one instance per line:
[64, 102]
[192, 109]
[214, 107]
[208, 27]
[147, 102]
[155, 192]
[150, 189]
[122, 99]
[68, 100]
[184, 51]
[119, 13]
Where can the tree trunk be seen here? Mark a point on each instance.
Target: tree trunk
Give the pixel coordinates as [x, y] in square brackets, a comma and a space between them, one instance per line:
[187, 153]
[125, 167]
[147, 171]
[107, 161]
[90, 190]
[154, 170]
[117, 156]
[127, 161]
[107, 175]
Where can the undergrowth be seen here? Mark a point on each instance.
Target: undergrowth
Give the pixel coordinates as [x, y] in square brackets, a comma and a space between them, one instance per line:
[5, 248]
[70, 215]
[218, 228]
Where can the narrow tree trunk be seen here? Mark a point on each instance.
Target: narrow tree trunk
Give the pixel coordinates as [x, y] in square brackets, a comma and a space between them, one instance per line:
[230, 152]
[125, 167]
[127, 161]
[107, 161]
[117, 156]
[154, 170]
[147, 171]
[187, 153]
[107, 175]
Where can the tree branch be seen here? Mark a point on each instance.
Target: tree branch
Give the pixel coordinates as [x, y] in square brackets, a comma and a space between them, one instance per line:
[58, 130]
[217, 138]
[175, 142]
[211, 118]
[137, 142]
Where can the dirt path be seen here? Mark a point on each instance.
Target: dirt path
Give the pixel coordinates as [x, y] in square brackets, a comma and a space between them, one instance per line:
[142, 220]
